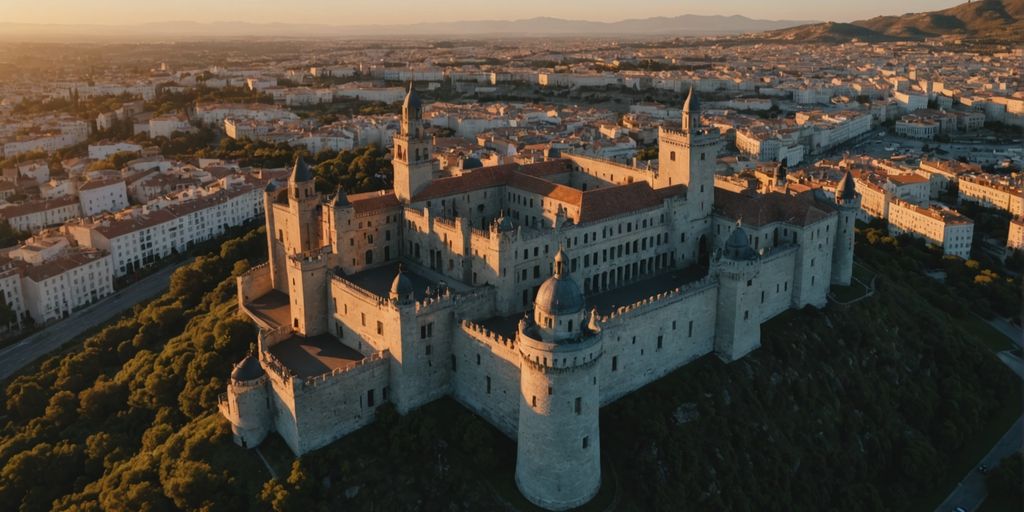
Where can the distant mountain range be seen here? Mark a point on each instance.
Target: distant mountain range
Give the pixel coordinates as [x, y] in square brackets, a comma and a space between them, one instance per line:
[1003, 19]
[687, 24]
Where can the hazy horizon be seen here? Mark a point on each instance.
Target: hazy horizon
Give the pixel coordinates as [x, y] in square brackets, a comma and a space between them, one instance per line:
[401, 12]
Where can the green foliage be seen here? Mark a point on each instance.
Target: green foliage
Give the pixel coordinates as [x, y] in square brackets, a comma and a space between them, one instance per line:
[126, 421]
[115, 161]
[8, 237]
[970, 285]
[361, 170]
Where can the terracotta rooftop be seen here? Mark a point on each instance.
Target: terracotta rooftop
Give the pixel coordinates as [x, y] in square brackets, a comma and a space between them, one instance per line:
[17, 210]
[762, 209]
[60, 265]
[93, 184]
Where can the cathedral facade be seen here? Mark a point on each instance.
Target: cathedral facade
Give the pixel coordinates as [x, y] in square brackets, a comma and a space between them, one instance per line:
[532, 294]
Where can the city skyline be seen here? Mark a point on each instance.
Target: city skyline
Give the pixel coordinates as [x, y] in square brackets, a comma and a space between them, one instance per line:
[364, 12]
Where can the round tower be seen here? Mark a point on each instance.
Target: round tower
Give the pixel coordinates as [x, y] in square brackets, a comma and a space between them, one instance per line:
[249, 403]
[848, 204]
[738, 316]
[558, 459]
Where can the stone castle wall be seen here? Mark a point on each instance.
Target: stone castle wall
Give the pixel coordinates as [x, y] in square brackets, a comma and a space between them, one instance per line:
[684, 320]
[254, 283]
[311, 413]
[481, 355]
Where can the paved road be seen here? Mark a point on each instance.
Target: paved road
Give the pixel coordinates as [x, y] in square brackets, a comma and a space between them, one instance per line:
[52, 337]
[971, 492]
[1011, 331]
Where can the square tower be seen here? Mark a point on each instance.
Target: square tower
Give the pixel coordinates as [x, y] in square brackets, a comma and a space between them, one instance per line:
[687, 157]
[412, 152]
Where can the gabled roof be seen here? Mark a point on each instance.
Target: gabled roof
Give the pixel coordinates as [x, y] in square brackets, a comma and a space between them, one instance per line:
[762, 209]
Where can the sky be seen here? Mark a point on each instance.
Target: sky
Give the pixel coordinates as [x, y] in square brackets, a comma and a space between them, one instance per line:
[364, 12]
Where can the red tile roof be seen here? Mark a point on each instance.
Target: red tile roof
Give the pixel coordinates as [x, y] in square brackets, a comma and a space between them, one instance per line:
[17, 210]
[761, 209]
[374, 201]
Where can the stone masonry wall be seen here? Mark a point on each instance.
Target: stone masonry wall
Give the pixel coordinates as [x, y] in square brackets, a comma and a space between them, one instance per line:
[480, 356]
[685, 322]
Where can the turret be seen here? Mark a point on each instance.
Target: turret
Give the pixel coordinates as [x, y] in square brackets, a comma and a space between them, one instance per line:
[248, 405]
[848, 204]
[402, 289]
[558, 458]
[738, 316]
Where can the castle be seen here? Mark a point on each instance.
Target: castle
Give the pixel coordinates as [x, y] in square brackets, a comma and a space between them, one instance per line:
[531, 294]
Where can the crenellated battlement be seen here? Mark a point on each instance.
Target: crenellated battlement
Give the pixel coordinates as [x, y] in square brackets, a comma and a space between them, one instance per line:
[375, 359]
[655, 300]
[267, 338]
[359, 291]
[433, 303]
[310, 258]
[487, 336]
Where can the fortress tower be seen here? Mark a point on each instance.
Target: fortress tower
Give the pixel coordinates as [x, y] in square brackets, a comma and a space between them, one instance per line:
[412, 152]
[687, 157]
[738, 321]
[848, 204]
[248, 404]
[303, 205]
[558, 460]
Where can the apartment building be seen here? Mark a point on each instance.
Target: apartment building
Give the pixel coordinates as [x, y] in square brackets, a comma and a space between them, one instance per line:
[939, 226]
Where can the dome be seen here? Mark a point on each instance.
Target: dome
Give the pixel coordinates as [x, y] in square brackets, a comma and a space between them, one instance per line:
[301, 171]
[738, 245]
[248, 369]
[560, 295]
[270, 187]
[847, 190]
[402, 285]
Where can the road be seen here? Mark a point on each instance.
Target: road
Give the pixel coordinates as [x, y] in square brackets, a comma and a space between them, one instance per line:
[54, 336]
[1011, 331]
[970, 492]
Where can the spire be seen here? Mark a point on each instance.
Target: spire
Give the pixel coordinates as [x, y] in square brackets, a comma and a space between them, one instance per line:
[341, 198]
[691, 111]
[301, 171]
[847, 189]
[560, 263]
[412, 103]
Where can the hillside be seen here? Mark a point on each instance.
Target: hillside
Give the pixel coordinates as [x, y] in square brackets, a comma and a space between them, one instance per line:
[983, 18]
[854, 409]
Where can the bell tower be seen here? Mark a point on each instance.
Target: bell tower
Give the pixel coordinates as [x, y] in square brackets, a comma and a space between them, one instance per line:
[412, 150]
[687, 156]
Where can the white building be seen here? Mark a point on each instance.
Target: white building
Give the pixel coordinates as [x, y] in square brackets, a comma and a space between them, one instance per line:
[77, 278]
[102, 150]
[34, 215]
[165, 126]
[97, 196]
[939, 226]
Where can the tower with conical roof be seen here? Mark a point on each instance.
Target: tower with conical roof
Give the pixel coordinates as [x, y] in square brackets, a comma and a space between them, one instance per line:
[558, 457]
[303, 202]
[738, 316]
[412, 151]
[687, 156]
[848, 204]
